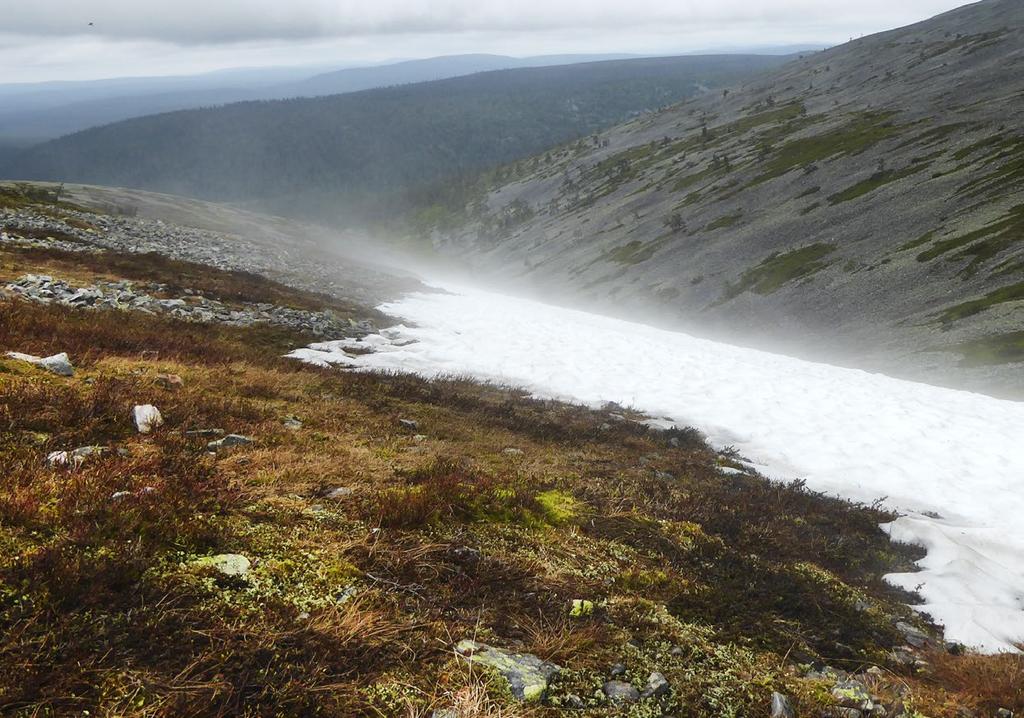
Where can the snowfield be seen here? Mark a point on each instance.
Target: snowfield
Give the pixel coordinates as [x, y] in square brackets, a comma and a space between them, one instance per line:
[951, 462]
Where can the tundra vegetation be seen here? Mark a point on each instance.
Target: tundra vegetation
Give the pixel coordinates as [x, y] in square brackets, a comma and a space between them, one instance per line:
[330, 562]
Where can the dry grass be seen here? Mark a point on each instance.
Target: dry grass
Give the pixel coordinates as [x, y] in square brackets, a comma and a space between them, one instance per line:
[101, 608]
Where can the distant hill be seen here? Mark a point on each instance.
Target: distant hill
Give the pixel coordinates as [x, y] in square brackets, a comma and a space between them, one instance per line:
[332, 156]
[865, 202]
[36, 112]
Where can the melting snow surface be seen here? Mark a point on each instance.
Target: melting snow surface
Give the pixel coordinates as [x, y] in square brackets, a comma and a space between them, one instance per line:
[951, 462]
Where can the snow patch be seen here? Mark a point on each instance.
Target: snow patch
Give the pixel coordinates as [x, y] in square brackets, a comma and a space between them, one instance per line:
[951, 462]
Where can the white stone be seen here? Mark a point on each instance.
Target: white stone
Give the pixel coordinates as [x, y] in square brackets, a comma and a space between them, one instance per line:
[147, 417]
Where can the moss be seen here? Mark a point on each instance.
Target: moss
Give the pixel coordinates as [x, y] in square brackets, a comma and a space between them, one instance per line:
[780, 269]
[919, 242]
[857, 136]
[981, 245]
[728, 220]
[991, 351]
[557, 507]
[1013, 293]
[875, 182]
[636, 251]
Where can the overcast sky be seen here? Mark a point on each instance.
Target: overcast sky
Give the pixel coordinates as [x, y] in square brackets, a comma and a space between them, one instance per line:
[53, 40]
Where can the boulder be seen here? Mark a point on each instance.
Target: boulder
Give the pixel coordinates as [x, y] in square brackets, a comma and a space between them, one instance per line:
[657, 686]
[228, 564]
[620, 692]
[147, 417]
[781, 707]
[853, 694]
[912, 635]
[527, 675]
[229, 441]
[169, 381]
[58, 364]
[75, 458]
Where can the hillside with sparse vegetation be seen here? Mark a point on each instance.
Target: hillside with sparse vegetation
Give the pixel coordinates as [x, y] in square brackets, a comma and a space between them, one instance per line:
[862, 203]
[281, 539]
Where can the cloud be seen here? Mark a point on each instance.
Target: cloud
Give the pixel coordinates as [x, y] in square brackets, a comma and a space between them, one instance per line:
[224, 21]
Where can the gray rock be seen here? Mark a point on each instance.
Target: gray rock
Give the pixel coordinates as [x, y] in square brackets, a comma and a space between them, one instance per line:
[292, 423]
[914, 636]
[1004, 713]
[228, 564]
[853, 694]
[620, 692]
[229, 441]
[527, 675]
[657, 686]
[573, 702]
[339, 493]
[204, 433]
[409, 424]
[781, 706]
[58, 364]
[617, 670]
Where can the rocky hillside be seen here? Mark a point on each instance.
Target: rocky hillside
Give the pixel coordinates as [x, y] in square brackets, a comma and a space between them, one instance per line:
[862, 203]
[192, 525]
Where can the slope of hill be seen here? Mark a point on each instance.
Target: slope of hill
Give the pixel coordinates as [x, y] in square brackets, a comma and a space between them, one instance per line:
[330, 154]
[331, 555]
[864, 202]
[37, 112]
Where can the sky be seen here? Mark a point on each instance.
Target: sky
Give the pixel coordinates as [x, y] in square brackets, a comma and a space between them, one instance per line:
[90, 39]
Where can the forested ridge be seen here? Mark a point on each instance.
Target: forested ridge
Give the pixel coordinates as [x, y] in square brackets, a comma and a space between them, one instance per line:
[334, 154]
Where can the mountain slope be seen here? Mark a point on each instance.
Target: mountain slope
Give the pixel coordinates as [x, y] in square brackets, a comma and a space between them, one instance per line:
[304, 156]
[36, 112]
[864, 202]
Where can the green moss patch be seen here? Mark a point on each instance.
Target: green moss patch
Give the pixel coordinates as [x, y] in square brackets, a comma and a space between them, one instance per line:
[981, 245]
[990, 351]
[780, 269]
[859, 135]
[1013, 293]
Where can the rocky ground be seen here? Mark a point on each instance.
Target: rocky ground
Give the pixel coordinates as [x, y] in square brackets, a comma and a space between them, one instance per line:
[192, 525]
[860, 205]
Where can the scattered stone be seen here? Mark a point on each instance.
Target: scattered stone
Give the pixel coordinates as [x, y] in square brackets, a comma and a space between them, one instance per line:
[527, 675]
[204, 433]
[912, 635]
[781, 706]
[228, 564]
[58, 364]
[677, 651]
[511, 451]
[1004, 713]
[845, 713]
[573, 702]
[853, 694]
[75, 458]
[339, 493]
[147, 417]
[169, 381]
[292, 423]
[581, 608]
[118, 495]
[657, 686]
[409, 424]
[618, 670]
[228, 442]
[419, 438]
[620, 692]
